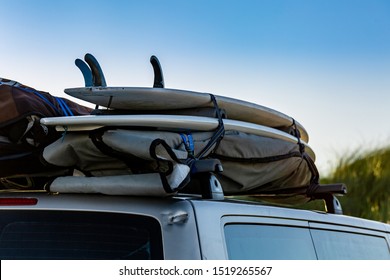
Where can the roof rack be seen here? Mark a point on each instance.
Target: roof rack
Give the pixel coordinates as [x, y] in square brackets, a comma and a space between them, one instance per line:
[205, 182]
[209, 187]
[204, 172]
[328, 193]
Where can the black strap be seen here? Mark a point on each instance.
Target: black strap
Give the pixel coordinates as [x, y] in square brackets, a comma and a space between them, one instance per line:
[218, 134]
[136, 164]
[315, 176]
[297, 134]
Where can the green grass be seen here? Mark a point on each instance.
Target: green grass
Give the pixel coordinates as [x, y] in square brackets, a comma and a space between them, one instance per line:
[367, 176]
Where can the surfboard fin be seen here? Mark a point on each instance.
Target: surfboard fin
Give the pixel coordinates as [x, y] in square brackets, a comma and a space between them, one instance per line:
[97, 72]
[158, 75]
[86, 71]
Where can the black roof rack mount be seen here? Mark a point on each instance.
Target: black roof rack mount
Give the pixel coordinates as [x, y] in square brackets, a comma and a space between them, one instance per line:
[328, 193]
[203, 171]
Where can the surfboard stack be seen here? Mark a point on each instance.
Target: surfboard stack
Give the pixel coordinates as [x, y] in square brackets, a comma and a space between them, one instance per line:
[158, 142]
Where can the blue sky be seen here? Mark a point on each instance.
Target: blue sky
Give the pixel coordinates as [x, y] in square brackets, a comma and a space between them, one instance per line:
[325, 63]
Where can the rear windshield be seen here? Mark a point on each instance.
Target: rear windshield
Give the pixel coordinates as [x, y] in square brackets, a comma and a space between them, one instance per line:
[78, 235]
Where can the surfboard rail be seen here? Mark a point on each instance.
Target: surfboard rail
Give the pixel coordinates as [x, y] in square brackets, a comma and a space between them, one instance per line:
[168, 122]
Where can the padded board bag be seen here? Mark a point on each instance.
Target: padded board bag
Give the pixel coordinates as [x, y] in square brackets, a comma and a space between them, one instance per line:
[22, 137]
[136, 162]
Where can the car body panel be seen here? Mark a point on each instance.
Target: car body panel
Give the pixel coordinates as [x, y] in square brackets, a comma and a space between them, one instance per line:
[192, 227]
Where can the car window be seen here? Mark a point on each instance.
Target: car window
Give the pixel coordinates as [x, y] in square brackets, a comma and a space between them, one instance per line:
[268, 242]
[78, 235]
[333, 245]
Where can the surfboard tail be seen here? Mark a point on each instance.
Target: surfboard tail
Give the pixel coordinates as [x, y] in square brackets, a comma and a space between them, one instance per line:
[158, 75]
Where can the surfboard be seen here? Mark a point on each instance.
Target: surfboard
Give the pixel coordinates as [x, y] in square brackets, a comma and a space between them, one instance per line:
[169, 122]
[149, 99]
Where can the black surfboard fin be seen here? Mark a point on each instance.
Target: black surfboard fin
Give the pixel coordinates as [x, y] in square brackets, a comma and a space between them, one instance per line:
[86, 71]
[97, 73]
[158, 75]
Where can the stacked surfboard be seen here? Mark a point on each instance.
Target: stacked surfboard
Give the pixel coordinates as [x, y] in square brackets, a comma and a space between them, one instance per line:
[262, 151]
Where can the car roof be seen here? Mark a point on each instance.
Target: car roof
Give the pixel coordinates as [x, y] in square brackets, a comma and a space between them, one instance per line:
[152, 205]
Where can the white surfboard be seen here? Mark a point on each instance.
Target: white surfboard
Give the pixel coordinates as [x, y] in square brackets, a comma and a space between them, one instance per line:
[169, 122]
[142, 98]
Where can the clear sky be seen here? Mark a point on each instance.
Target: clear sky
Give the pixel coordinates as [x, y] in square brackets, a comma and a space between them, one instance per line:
[324, 62]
